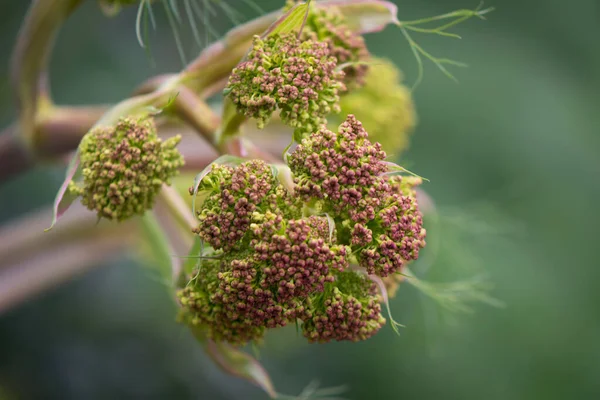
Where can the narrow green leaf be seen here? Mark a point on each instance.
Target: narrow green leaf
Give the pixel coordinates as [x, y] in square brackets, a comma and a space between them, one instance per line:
[456, 296]
[289, 22]
[395, 169]
[384, 294]
[386, 301]
[64, 198]
[138, 23]
[171, 17]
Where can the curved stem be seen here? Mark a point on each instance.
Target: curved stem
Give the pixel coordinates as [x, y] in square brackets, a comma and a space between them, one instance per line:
[195, 112]
[57, 133]
[31, 56]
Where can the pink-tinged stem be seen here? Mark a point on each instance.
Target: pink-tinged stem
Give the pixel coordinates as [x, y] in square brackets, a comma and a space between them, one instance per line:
[21, 280]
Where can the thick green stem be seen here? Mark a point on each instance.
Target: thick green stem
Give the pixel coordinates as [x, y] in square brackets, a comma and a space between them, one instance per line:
[31, 56]
[196, 113]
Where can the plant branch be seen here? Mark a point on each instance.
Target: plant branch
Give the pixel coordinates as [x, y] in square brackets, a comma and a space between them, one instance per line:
[31, 56]
[21, 280]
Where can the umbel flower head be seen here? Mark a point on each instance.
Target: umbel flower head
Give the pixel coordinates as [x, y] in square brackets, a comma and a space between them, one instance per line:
[348, 309]
[271, 258]
[124, 167]
[383, 105]
[298, 78]
[284, 256]
[237, 197]
[265, 286]
[328, 25]
[344, 174]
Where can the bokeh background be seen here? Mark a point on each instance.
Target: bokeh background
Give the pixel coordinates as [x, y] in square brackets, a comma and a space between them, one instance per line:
[513, 155]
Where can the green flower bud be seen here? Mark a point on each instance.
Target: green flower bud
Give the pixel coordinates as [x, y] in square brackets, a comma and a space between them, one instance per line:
[124, 167]
[281, 72]
[383, 105]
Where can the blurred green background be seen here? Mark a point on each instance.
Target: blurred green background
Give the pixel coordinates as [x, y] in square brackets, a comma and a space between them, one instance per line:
[513, 155]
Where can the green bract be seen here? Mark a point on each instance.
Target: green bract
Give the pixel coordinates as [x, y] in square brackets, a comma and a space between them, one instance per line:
[124, 167]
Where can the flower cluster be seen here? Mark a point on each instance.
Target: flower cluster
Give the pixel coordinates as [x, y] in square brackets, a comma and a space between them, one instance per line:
[349, 310]
[233, 196]
[273, 259]
[341, 168]
[344, 174]
[281, 72]
[383, 105]
[306, 249]
[285, 256]
[124, 167]
[328, 25]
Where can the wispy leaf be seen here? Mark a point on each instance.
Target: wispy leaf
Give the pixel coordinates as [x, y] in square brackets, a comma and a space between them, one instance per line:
[313, 392]
[456, 296]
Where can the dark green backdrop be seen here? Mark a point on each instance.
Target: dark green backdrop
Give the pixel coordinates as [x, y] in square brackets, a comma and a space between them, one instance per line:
[512, 153]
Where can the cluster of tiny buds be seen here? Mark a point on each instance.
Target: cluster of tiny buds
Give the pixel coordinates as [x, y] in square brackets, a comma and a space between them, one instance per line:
[273, 259]
[235, 194]
[124, 167]
[298, 262]
[209, 302]
[345, 173]
[283, 262]
[281, 72]
[341, 167]
[351, 311]
[328, 25]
